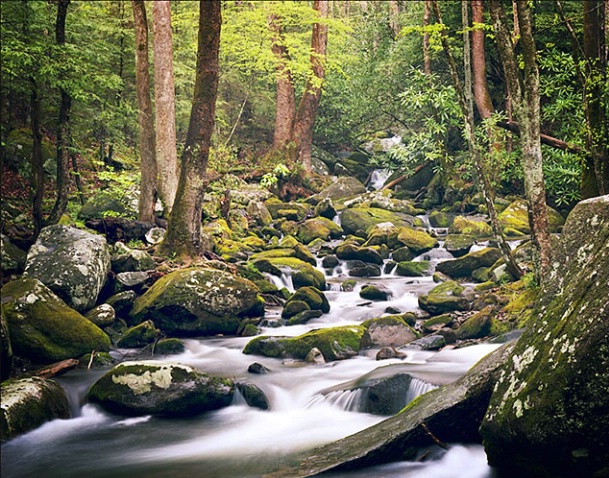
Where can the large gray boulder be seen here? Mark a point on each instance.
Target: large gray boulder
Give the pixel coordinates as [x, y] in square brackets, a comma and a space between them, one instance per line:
[452, 413]
[72, 263]
[28, 403]
[43, 328]
[160, 388]
[343, 187]
[464, 266]
[549, 414]
[198, 301]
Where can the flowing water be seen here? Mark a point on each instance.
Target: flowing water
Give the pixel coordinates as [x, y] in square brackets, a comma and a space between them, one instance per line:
[244, 442]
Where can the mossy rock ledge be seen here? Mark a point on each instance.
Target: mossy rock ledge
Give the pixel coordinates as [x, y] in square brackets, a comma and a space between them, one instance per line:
[335, 343]
[549, 413]
[464, 266]
[43, 328]
[160, 388]
[445, 297]
[199, 301]
[28, 403]
[74, 264]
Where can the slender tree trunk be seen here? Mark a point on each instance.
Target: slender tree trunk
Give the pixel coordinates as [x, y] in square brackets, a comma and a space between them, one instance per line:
[394, 17]
[164, 95]
[285, 108]
[467, 59]
[148, 189]
[482, 96]
[37, 164]
[595, 171]
[426, 21]
[309, 103]
[474, 149]
[526, 107]
[63, 134]
[184, 228]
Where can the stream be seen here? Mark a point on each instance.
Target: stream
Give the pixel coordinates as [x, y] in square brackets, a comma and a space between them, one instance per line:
[240, 441]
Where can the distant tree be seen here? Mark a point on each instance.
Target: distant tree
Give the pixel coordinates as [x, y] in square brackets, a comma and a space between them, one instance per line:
[184, 229]
[164, 94]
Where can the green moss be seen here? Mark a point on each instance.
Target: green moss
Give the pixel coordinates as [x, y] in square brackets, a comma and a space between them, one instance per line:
[463, 225]
[294, 307]
[313, 297]
[515, 218]
[413, 269]
[386, 320]
[304, 254]
[364, 219]
[417, 241]
[274, 253]
[139, 336]
[303, 273]
[319, 228]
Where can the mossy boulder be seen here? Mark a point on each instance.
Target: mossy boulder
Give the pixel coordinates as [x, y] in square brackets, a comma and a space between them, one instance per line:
[380, 233]
[352, 252]
[464, 266]
[130, 260]
[478, 325]
[375, 292]
[253, 396]
[363, 219]
[259, 213]
[27, 403]
[335, 343]
[72, 263]
[402, 254]
[415, 240]
[516, 218]
[160, 388]
[472, 225]
[459, 244]
[436, 323]
[103, 315]
[43, 328]
[312, 297]
[445, 297]
[199, 301]
[12, 258]
[301, 252]
[292, 210]
[390, 331]
[169, 346]
[139, 336]
[318, 228]
[107, 203]
[413, 269]
[548, 416]
[441, 219]
[325, 208]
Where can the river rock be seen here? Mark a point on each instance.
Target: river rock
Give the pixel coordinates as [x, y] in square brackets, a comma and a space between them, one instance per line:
[122, 302]
[6, 350]
[342, 187]
[413, 268]
[548, 416]
[72, 263]
[139, 336]
[441, 219]
[516, 218]
[43, 328]
[160, 388]
[445, 297]
[381, 233]
[375, 292]
[103, 315]
[318, 228]
[352, 252]
[315, 357]
[198, 301]
[459, 244]
[292, 210]
[253, 396]
[430, 342]
[325, 208]
[27, 403]
[363, 219]
[464, 266]
[452, 412]
[417, 241]
[303, 273]
[130, 260]
[363, 269]
[311, 297]
[390, 331]
[335, 343]
[472, 226]
[258, 211]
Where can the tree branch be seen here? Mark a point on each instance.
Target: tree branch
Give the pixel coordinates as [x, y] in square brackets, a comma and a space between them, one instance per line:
[545, 139]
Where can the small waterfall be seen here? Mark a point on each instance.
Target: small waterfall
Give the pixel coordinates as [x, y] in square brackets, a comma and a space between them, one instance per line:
[280, 282]
[348, 400]
[378, 178]
[336, 219]
[417, 387]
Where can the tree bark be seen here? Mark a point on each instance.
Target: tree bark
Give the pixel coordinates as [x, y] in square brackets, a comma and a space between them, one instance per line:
[164, 95]
[285, 108]
[394, 17]
[595, 171]
[37, 164]
[482, 96]
[474, 150]
[184, 229]
[148, 188]
[426, 21]
[526, 105]
[63, 132]
[309, 103]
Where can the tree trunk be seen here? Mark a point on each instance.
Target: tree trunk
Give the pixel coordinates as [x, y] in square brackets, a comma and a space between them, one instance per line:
[285, 108]
[595, 170]
[474, 149]
[525, 102]
[309, 103]
[426, 21]
[164, 95]
[63, 132]
[37, 164]
[184, 229]
[148, 191]
[484, 103]
[394, 17]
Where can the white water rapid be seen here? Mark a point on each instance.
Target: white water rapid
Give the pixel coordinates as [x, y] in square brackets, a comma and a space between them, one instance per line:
[244, 442]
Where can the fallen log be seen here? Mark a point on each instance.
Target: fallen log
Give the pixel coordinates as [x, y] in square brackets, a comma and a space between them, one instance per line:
[56, 369]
